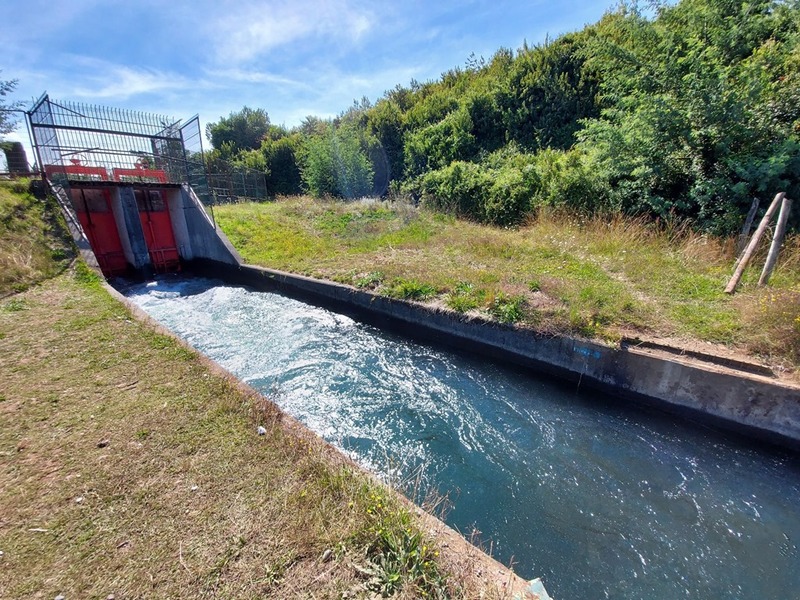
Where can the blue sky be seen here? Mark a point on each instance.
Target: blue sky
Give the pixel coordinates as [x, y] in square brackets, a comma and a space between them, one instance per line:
[292, 58]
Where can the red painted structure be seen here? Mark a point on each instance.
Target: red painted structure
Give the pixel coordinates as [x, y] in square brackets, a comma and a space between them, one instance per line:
[78, 171]
[93, 207]
[140, 174]
[157, 227]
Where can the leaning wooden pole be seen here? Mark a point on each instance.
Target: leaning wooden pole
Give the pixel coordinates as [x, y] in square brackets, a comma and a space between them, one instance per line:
[751, 247]
[777, 240]
[748, 225]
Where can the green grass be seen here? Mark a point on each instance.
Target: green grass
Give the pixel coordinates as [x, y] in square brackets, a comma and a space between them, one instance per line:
[33, 242]
[600, 278]
[410, 289]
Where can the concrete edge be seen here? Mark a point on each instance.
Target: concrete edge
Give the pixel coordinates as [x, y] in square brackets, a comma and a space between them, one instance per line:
[74, 227]
[498, 577]
[747, 403]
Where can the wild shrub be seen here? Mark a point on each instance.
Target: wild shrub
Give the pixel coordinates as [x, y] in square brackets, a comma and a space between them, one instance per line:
[775, 320]
[282, 163]
[465, 297]
[498, 191]
[459, 189]
[440, 144]
[336, 165]
[571, 180]
[506, 308]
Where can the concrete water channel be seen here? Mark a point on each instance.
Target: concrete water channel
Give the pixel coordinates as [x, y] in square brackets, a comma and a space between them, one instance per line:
[598, 497]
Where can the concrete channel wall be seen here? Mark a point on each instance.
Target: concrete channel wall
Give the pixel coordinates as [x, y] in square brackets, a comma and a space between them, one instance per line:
[721, 394]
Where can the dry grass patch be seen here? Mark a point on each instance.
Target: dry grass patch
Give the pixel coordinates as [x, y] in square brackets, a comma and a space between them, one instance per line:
[128, 467]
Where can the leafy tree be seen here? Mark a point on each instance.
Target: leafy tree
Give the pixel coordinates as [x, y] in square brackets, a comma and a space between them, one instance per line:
[546, 94]
[693, 122]
[282, 161]
[438, 145]
[243, 130]
[335, 164]
[687, 109]
[312, 125]
[385, 124]
[7, 121]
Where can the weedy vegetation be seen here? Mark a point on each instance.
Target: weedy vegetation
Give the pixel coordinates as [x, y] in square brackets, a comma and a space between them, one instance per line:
[33, 245]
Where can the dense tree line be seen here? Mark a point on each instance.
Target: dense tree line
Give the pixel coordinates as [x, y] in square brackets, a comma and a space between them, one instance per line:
[687, 110]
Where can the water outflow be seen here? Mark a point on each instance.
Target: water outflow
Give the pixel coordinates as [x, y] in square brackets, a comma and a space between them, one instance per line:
[597, 498]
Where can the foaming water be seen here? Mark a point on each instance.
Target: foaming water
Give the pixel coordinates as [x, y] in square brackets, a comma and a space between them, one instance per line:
[598, 499]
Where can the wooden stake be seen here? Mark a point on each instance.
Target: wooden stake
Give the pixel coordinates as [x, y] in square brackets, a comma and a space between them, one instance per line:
[751, 247]
[748, 225]
[777, 240]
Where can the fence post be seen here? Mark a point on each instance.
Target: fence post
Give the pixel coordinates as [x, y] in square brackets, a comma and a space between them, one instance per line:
[777, 240]
[748, 225]
[751, 247]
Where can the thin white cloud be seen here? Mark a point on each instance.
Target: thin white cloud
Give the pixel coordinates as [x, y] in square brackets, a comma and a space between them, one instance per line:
[254, 76]
[251, 31]
[103, 80]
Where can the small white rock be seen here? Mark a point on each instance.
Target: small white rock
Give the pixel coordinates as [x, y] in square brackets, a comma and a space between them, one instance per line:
[79, 499]
[261, 430]
[194, 488]
[61, 597]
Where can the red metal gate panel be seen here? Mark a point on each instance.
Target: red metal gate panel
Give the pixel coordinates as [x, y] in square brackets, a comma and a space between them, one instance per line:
[157, 227]
[93, 207]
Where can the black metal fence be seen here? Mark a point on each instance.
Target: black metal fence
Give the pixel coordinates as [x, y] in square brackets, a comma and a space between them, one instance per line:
[237, 186]
[82, 142]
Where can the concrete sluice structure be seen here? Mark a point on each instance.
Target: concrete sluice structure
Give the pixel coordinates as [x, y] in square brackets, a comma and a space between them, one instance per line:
[143, 229]
[133, 184]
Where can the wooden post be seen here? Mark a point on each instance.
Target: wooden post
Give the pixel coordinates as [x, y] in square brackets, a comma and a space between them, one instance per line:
[777, 240]
[751, 247]
[748, 225]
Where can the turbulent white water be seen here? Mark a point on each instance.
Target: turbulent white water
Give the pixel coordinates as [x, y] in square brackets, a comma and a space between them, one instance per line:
[597, 498]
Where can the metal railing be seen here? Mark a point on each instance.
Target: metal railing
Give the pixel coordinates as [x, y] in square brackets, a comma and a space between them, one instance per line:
[77, 142]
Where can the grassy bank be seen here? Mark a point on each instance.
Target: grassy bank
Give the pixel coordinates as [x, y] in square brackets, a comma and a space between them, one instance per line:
[599, 278]
[32, 244]
[131, 466]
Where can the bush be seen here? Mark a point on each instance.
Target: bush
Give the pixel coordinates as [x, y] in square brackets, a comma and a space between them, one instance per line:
[438, 145]
[498, 192]
[411, 289]
[570, 179]
[459, 189]
[336, 165]
[509, 198]
[284, 172]
[465, 297]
